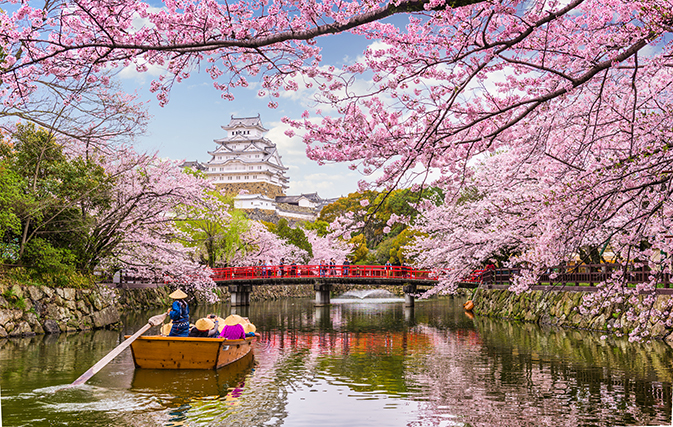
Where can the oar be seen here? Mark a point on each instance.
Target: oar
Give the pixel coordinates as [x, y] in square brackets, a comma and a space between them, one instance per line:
[154, 321]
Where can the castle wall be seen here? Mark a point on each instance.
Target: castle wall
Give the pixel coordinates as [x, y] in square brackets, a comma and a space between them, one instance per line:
[265, 188]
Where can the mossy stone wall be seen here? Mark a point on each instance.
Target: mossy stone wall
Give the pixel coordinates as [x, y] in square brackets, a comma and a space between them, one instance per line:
[561, 308]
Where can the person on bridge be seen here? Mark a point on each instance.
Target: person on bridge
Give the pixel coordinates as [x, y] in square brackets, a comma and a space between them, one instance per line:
[281, 269]
[389, 268]
[323, 268]
[179, 313]
[346, 267]
[332, 267]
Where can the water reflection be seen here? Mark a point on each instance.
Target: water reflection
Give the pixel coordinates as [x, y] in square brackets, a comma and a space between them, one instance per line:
[190, 384]
[363, 364]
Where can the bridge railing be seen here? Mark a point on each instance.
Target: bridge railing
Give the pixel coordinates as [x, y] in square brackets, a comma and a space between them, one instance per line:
[293, 271]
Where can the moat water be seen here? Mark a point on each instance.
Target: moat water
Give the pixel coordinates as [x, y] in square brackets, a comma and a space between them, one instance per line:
[360, 362]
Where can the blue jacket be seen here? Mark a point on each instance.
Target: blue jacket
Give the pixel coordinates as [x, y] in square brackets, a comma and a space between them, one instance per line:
[180, 317]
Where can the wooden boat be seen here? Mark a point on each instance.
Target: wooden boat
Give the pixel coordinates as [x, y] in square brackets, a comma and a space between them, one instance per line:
[160, 352]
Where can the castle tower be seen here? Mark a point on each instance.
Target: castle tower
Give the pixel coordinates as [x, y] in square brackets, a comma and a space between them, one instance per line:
[246, 160]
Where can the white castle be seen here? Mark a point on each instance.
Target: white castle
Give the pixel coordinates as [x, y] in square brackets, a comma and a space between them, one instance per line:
[248, 165]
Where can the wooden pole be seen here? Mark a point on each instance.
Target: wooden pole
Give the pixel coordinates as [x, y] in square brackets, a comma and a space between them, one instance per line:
[154, 321]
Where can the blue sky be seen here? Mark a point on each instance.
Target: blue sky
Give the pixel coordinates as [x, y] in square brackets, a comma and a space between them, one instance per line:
[187, 126]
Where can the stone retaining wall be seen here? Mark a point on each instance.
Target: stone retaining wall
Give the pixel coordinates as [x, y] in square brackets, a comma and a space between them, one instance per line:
[560, 308]
[37, 310]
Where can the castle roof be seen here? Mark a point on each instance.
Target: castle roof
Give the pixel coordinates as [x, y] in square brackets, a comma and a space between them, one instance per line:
[245, 122]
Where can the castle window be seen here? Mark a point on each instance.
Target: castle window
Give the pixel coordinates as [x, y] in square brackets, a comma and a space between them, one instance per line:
[247, 177]
[254, 177]
[230, 178]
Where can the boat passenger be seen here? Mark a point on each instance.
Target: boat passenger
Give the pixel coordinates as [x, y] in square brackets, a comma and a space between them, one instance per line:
[166, 329]
[204, 328]
[179, 313]
[233, 328]
[249, 328]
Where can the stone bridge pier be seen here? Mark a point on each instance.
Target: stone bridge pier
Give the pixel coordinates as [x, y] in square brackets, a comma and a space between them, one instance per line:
[409, 291]
[240, 294]
[322, 293]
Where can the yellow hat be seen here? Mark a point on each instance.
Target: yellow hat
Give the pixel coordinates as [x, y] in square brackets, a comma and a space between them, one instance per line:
[204, 324]
[234, 319]
[249, 327]
[166, 329]
[220, 323]
[178, 294]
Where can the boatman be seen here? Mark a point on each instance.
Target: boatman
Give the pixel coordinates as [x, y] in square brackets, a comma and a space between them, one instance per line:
[179, 313]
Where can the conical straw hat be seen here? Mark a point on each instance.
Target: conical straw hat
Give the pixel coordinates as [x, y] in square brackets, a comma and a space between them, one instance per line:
[178, 294]
[249, 327]
[234, 319]
[166, 329]
[204, 324]
[220, 323]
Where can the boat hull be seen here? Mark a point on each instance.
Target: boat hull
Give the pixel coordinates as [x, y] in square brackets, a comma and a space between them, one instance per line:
[159, 352]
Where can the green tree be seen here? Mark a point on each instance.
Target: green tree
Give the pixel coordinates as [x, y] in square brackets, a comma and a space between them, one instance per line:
[294, 236]
[58, 197]
[321, 227]
[379, 209]
[360, 250]
[215, 230]
[10, 223]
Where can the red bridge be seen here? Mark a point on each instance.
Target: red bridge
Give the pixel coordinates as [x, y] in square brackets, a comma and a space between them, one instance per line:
[240, 280]
[283, 273]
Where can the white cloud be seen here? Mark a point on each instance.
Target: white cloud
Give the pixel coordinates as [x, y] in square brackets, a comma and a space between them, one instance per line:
[130, 72]
[327, 184]
[289, 147]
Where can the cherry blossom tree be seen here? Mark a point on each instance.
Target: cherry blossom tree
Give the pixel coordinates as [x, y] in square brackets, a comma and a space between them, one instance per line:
[87, 113]
[327, 247]
[138, 232]
[565, 102]
[266, 246]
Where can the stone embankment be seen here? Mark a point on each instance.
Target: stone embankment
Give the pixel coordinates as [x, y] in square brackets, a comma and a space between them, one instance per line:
[37, 310]
[561, 308]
